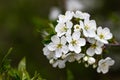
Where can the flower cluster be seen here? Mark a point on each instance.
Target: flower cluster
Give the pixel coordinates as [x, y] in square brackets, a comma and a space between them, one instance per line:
[78, 39]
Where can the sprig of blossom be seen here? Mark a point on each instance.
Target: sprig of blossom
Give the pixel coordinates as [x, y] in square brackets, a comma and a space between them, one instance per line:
[78, 39]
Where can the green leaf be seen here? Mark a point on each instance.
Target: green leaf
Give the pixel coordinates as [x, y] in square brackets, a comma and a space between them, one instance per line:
[22, 65]
[5, 64]
[22, 70]
[14, 74]
[37, 77]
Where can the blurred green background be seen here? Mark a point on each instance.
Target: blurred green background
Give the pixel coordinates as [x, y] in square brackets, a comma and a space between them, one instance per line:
[21, 26]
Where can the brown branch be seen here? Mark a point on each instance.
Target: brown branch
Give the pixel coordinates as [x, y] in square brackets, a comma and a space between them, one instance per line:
[112, 44]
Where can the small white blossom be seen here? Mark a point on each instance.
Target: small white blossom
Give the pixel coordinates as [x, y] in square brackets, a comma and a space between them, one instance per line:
[77, 27]
[71, 57]
[89, 28]
[62, 28]
[81, 15]
[58, 45]
[65, 18]
[85, 58]
[103, 35]
[104, 64]
[59, 63]
[75, 42]
[95, 48]
[54, 12]
[91, 60]
[49, 54]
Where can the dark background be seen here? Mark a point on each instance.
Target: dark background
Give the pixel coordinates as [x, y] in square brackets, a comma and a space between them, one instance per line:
[21, 25]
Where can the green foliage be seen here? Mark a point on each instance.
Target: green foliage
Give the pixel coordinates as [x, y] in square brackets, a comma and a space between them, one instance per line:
[9, 73]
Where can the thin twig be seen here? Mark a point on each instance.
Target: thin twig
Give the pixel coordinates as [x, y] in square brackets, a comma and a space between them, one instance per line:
[9, 51]
[112, 44]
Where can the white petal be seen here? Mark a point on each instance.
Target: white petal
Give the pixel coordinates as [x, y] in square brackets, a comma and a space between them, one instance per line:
[46, 51]
[86, 15]
[51, 55]
[68, 32]
[65, 49]
[79, 56]
[76, 35]
[105, 69]
[63, 40]
[106, 30]
[99, 30]
[71, 47]
[55, 64]
[92, 24]
[60, 33]
[58, 53]
[61, 64]
[86, 34]
[98, 70]
[69, 24]
[91, 33]
[68, 15]
[51, 46]
[91, 40]
[77, 49]
[81, 24]
[108, 36]
[81, 42]
[55, 39]
[98, 50]
[101, 61]
[78, 14]
[109, 61]
[91, 60]
[104, 41]
[69, 38]
[99, 44]
[90, 51]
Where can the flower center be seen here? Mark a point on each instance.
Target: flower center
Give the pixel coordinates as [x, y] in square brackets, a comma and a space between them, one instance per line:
[86, 27]
[64, 29]
[101, 36]
[77, 27]
[73, 42]
[59, 45]
[103, 64]
[94, 46]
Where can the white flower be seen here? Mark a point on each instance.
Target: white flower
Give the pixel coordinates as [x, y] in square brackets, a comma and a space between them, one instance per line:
[75, 42]
[95, 48]
[54, 12]
[71, 57]
[81, 15]
[65, 18]
[58, 45]
[59, 63]
[73, 5]
[103, 35]
[85, 58]
[77, 27]
[49, 54]
[88, 27]
[91, 60]
[104, 64]
[62, 28]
